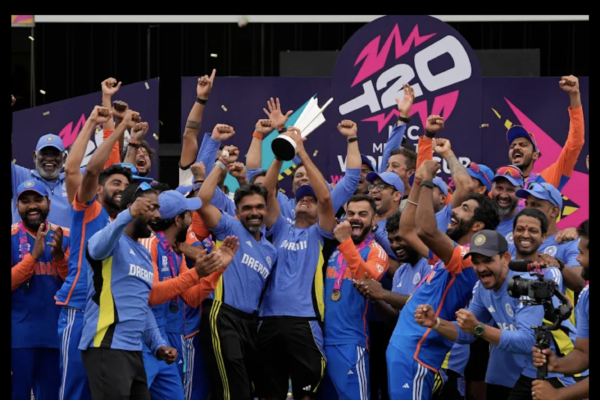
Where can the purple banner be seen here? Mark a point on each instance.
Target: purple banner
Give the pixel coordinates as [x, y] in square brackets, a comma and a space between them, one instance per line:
[66, 118]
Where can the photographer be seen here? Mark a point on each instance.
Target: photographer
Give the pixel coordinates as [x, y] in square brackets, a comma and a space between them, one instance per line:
[578, 359]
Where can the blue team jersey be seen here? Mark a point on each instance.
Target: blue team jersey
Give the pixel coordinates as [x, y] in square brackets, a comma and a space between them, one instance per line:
[567, 252]
[191, 321]
[346, 319]
[296, 285]
[242, 283]
[582, 309]
[33, 314]
[120, 277]
[505, 228]
[447, 289]
[382, 238]
[444, 217]
[408, 277]
[86, 220]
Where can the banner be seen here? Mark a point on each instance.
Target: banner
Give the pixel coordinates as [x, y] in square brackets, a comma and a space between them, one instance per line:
[22, 20]
[66, 118]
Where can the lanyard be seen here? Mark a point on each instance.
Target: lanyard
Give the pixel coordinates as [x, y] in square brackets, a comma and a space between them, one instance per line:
[171, 256]
[343, 265]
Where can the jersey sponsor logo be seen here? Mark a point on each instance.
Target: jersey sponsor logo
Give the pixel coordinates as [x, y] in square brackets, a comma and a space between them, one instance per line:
[506, 327]
[416, 278]
[139, 272]
[255, 265]
[43, 268]
[380, 268]
[294, 246]
[509, 310]
[165, 264]
[550, 250]
[332, 272]
[509, 238]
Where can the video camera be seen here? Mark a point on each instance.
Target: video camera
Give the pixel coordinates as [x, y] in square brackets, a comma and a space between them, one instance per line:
[537, 292]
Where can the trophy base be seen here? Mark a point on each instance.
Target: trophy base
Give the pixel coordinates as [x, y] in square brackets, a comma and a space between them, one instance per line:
[284, 148]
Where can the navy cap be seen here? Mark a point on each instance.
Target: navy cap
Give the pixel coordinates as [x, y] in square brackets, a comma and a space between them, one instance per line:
[542, 191]
[173, 203]
[391, 178]
[487, 243]
[305, 190]
[32, 185]
[365, 160]
[50, 140]
[511, 173]
[517, 131]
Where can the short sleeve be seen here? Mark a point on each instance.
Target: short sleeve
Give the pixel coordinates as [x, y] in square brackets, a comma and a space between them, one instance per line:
[281, 226]
[227, 226]
[583, 315]
[457, 263]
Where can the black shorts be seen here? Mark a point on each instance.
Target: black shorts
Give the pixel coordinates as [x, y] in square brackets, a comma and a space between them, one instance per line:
[478, 361]
[288, 348]
[448, 390]
[115, 374]
[228, 338]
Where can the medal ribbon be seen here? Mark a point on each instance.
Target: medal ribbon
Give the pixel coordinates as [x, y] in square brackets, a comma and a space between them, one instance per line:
[339, 276]
[171, 256]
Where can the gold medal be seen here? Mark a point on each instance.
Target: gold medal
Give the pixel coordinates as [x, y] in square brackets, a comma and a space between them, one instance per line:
[335, 296]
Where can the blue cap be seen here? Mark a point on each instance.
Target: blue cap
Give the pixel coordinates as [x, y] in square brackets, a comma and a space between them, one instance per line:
[485, 174]
[32, 185]
[391, 178]
[50, 140]
[173, 203]
[543, 191]
[134, 173]
[305, 190]
[439, 182]
[517, 131]
[365, 160]
[507, 173]
[186, 190]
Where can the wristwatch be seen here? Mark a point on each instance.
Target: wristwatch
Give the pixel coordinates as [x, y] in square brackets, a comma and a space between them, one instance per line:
[428, 184]
[405, 120]
[479, 329]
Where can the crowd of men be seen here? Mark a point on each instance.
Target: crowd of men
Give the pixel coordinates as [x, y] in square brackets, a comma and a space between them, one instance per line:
[386, 285]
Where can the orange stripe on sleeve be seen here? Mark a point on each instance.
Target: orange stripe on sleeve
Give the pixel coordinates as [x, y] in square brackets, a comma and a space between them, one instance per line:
[376, 265]
[425, 150]
[199, 228]
[457, 264]
[22, 271]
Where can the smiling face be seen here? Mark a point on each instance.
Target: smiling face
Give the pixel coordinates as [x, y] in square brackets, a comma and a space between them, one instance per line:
[360, 216]
[384, 195]
[300, 178]
[251, 211]
[491, 271]
[461, 221]
[33, 209]
[400, 247]
[110, 193]
[521, 153]
[527, 235]
[48, 162]
[505, 197]
[143, 162]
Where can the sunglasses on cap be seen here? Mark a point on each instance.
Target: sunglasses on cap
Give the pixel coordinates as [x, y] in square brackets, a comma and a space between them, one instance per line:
[475, 168]
[510, 171]
[143, 187]
[534, 187]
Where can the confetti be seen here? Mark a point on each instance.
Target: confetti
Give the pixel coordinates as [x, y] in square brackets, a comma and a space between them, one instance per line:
[155, 136]
[15, 161]
[147, 86]
[98, 129]
[160, 122]
[46, 113]
[42, 91]
[224, 108]
[213, 55]
[484, 125]
[31, 38]
[282, 191]
[315, 153]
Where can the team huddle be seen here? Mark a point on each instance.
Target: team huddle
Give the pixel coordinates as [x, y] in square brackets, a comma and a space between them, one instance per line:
[125, 289]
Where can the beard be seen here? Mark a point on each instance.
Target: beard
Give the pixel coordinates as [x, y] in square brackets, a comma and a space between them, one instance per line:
[253, 223]
[181, 234]
[585, 273]
[407, 254]
[524, 163]
[461, 229]
[34, 224]
[112, 201]
[47, 174]
[141, 229]
[357, 239]
[503, 211]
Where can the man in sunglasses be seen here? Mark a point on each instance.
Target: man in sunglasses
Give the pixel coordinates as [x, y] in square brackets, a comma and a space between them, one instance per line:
[505, 184]
[524, 151]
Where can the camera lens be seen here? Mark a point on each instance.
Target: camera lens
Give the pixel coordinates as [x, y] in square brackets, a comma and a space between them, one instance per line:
[518, 286]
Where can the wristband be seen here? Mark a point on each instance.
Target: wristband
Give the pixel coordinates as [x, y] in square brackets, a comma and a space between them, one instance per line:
[257, 135]
[428, 184]
[135, 144]
[412, 202]
[283, 130]
[201, 101]
[199, 181]
[221, 165]
[437, 325]
[429, 134]
[352, 139]
[405, 120]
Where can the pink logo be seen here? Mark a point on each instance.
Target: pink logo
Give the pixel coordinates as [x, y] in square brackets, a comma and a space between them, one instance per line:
[68, 133]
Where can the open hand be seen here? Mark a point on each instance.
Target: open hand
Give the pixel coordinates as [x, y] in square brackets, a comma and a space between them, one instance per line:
[56, 245]
[275, 114]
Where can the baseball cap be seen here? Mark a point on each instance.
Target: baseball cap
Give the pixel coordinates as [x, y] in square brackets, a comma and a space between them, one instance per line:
[512, 173]
[32, 186]
[305, 190]
[437, 181]
[186, 190]
[543, 191]
[365, 160]
[487, 243]
[391, 178]
[482, 173]
[50, 140]
[517, 131]
[134, 173]
[173, 203]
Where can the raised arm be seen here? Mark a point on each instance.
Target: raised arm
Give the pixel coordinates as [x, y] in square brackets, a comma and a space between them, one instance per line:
[462, 180]
[210, 214]
[278, 120]
[189, 152]
[427, 230]
[407, 222]
[397, 134]
[110, 87]
[346, 187]
[270, 183]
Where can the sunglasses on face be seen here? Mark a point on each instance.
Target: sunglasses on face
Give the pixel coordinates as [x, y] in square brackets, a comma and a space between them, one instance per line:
[381, 186]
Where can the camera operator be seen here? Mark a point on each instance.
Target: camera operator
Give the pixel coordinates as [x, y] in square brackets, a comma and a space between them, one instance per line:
[578, 359]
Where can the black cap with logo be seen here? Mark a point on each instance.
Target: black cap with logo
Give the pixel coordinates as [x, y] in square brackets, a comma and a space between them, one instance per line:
[487, 243]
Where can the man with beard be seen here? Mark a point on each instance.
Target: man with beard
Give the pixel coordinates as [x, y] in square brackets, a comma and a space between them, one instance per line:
[577, 360]
[117, 314]
[174, 283]
[291, 328]
[228, 324]
[415, 353]
[346, 311]
[505, 184]
[403, 162]
[413, 268]
[547, 199]
[524, 151]
[482, 177]
[39, 252]
[97, 201]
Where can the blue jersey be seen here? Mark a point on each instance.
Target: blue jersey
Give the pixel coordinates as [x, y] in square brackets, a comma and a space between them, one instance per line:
[346, 319]
[447, 289]
[191, 322]
[444, 217]
[33, 313]
[120, 277]
[505, 228]
[86, 220]
[296, 285]
[408, 277]
[242, 283]
[582, 309]
[382, 238]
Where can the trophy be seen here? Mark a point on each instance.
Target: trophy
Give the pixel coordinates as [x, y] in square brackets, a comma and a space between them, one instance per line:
[311, 118]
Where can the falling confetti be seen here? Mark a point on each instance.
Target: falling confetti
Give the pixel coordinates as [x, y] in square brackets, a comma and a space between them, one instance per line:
[42, 91]
[46, 113]
[282, 191]
[224, 108]
[15, 161]
[213, 55]
[147, 86]
[484, 125]
[31, 38]
[155, 136]
[160, 122]
[315, 153]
